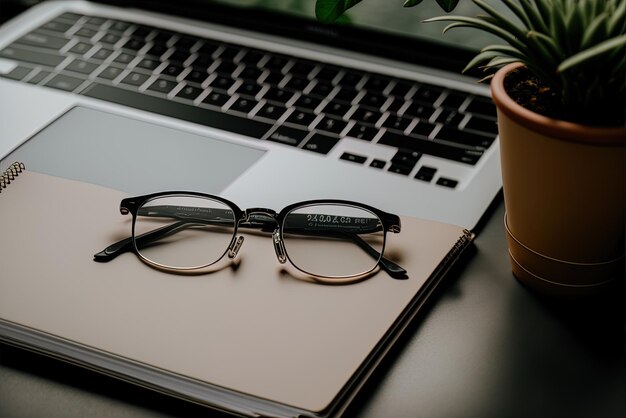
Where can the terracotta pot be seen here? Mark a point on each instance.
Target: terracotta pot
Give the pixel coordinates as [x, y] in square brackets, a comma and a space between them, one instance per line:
[563, 189]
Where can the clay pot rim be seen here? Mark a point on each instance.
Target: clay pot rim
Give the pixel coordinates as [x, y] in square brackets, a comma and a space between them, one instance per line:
[568, 131]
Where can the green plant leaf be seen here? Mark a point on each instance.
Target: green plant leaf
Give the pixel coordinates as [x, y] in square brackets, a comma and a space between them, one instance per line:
[464, 21]
[411, 3]
[596, 31]
[501, 20]
[327, 11]
[617, 20]
[534, 18]
[591, 53]
[518, 11]
[447, 5]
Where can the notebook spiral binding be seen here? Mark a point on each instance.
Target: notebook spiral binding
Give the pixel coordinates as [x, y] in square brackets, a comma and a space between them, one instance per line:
[10, 174]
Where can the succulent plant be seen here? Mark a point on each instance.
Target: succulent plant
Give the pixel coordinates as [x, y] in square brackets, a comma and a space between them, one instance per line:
[575, 49]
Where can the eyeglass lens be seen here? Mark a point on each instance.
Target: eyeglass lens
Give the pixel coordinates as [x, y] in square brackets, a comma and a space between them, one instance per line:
[333, 240]
[185, 232]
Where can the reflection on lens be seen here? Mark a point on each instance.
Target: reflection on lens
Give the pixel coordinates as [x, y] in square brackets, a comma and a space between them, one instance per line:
[333, 240]
[183, 232]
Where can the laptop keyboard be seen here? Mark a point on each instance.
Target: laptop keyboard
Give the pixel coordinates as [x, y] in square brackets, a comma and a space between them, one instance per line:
[264, 95]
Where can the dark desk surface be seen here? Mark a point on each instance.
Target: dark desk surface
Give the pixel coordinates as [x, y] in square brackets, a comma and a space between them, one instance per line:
[487, 347]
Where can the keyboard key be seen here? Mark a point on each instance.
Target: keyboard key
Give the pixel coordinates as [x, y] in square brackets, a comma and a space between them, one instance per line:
[222, 82]
[202, 62]
[373, 100]
[271, 111]
[124, 58]
[400, 169]
[427, 147]
[364, 115]
[39, 77]
[400, 89]
[274, 78]
[364, 132]
[397, 123]
[135, 79]
[278, 95]
[350, 79]
[82, 66]
[18, 73]
[110, 73]
[406, 158]
[446, 182]
[157, 51]
[179, 57]
[64, 82]
[378, 163]
[454, 100]
[215, 98]
[302, 68]
[43, 40]
[288, 136]
[327, 73]
[110, 39]
[359, 159]
[243, 105]
[427, 93]
[148, 64]
[226, 68]
[485, 125]
[250, 73]
[57, 26]
[425, 173]
[307, 102]
[81, 48]
[482, 106]
[249, 88]
[190, 113]
[134, 44]
[102, 54]
[119, 26]
[40, 58]
[423, 129]
[419, 110]
[332, 125]
[297, 83]
[465, 138]
[162, 85]
[196, 76]
[189, 93]
[276, 63]
[301, 118]
[337, 109]
[85, 32]
[449, 117]
[377, 83]
[172, 70]
[320, 143]
[346, 95]
[252, 58]
[321, 89]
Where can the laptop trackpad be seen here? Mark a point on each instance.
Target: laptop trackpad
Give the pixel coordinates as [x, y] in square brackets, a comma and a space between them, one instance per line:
[131, 155]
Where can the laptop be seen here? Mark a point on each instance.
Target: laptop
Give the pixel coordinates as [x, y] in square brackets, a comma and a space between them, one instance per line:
[252, 100]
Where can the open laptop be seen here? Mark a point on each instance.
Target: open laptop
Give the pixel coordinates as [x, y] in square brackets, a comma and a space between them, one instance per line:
[253, 100]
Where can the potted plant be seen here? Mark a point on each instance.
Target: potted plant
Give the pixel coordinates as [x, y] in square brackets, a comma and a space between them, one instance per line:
[559, 87]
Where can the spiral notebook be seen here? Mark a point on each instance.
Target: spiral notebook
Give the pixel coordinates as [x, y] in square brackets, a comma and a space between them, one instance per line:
[251, 340]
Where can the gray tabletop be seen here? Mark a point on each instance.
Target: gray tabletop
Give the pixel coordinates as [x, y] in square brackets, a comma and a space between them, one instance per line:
[485, 347]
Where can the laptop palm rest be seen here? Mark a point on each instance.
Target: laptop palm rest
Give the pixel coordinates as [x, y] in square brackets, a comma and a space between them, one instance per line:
[131, 155]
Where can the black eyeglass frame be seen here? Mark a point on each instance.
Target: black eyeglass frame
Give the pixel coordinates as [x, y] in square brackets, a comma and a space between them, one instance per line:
[245, 219]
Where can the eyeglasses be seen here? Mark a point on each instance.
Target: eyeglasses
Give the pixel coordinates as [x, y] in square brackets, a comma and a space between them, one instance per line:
[190, 232]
